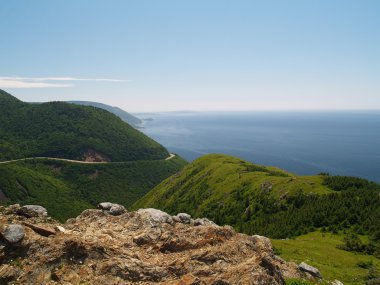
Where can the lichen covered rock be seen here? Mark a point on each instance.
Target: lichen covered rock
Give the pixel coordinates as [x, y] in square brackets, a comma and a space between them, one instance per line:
[144, 247]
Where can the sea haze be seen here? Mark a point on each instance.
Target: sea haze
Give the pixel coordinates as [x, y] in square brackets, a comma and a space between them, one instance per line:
[341, 143]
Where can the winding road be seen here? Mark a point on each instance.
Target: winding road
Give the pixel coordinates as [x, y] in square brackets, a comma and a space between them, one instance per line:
[171, 155]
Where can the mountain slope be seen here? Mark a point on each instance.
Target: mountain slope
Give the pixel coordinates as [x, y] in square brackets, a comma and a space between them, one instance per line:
[67, 188]
[64, 130]
[125, 116]
[267, 201]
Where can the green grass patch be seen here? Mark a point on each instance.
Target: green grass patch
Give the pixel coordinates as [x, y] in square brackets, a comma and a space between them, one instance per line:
[320, 250]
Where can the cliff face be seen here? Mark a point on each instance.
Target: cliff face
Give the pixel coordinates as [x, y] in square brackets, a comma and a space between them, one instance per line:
[111, 246]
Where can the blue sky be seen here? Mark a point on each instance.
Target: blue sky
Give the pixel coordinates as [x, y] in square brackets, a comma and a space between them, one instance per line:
[194, 55]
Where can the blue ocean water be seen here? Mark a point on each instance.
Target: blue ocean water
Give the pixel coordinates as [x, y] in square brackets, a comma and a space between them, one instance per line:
[341, 143]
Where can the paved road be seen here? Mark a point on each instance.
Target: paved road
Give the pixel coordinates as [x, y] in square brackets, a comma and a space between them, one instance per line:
[171, 155]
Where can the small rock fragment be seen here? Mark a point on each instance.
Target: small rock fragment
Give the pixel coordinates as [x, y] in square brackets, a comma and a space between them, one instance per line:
[60, 229]
[337, 282]
[43, 231]
[13, 233]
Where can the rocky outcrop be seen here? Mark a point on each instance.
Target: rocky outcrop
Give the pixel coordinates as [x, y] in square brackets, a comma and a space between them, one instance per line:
[145, 247]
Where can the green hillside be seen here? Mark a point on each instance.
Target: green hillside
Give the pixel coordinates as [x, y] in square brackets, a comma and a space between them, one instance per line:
[66, 188]
[64, 130]
[320, 250]
[265, 200]
[125, 116]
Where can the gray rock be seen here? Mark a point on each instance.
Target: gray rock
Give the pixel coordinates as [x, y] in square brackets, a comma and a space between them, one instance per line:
[117, 210]
[32, 211]
[310, 269]
[203, 222]
[111, 208]
[336, 282]
[13, 233]
[184, 218]
[176, 219]
[105, 205]
[156, 216]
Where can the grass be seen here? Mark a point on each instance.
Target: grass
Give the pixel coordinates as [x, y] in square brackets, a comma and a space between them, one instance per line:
[319, 250]
[223, 175]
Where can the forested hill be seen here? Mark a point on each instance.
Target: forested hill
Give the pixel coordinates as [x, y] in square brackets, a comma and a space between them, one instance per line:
[268, 201]
[64, 130]
[125, 116]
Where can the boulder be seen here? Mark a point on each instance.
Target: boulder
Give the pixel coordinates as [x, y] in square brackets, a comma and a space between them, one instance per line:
[111, 208]
[310, 269]
[32, 211]
[336, 282]
[156, 216]
[105, 205]
[117, 210]
[13, 233]
[184, 218]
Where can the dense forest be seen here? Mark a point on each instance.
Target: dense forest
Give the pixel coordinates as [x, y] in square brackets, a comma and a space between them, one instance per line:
[64, 130]
[125, 116]
[67, 188]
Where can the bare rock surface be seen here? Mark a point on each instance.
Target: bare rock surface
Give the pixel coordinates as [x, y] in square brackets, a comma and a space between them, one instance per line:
[142, 247]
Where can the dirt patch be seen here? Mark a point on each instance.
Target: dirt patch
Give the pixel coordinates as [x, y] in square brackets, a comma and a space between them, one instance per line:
[94, 156]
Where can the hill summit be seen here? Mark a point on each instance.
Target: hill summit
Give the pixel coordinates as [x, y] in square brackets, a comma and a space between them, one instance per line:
[125, 116]
[63, 130]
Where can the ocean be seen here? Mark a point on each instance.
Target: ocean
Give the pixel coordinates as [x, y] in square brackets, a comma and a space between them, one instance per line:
[304, 143]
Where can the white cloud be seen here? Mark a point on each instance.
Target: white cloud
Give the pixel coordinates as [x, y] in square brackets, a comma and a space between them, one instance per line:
[46, 82]
[7, 83]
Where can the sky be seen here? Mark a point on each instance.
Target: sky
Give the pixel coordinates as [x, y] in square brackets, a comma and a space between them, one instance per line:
[198, 55]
